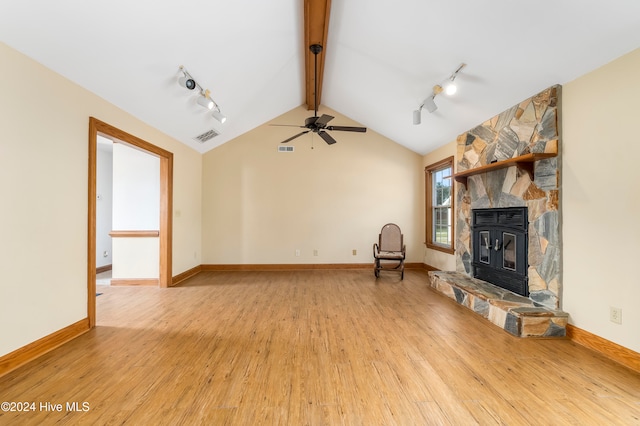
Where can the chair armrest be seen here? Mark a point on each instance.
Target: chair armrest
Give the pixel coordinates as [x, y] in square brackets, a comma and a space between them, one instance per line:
[375, 249]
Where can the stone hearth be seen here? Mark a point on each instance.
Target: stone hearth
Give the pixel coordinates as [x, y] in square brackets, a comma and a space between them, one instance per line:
[513, 313]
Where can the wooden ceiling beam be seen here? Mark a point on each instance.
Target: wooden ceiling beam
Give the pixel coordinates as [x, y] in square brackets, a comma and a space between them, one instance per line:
[316, 26]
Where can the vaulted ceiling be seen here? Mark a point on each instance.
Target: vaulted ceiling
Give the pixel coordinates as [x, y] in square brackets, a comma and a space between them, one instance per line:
[380, 59]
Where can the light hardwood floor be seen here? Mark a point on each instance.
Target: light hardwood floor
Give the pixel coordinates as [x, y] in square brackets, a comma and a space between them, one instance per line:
[314, 347]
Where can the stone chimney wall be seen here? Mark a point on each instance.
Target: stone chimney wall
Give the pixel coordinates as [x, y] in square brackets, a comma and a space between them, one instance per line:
[532, 126]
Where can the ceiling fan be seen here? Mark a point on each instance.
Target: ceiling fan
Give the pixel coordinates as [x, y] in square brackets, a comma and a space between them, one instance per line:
[317, 124]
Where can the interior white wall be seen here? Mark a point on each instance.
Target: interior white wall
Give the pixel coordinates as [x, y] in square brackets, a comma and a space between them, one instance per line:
[104, 202]
[601, 200]
[136, 189]
[44, 187]
[261, 205]
[136, 207]
[136, 258]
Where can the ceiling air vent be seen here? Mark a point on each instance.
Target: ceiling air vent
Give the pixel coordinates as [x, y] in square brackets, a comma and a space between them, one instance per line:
[206, 136]
[285, 148]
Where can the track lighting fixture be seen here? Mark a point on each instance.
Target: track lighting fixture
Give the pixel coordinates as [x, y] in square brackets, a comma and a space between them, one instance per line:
[204, 98]
[448, 87]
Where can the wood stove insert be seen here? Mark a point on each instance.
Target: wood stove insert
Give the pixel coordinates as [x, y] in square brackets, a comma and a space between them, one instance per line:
[499, 244]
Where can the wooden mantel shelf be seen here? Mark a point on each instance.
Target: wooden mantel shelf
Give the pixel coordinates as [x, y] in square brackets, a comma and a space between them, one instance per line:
[523, 162]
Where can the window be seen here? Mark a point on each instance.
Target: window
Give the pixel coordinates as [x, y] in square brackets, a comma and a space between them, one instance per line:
[440, 206]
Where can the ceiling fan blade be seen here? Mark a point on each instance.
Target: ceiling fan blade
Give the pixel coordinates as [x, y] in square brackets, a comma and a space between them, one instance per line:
[327, 137]
[323, 120]
[293, 137]
[347, 128]
[286, 125]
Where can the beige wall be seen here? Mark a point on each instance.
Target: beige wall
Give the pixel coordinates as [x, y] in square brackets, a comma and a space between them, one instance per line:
[44, 121]
[435, 258]
[261, 205]
[601, 199]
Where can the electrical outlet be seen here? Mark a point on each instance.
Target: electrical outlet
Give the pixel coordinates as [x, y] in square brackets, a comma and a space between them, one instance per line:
[315, 252]
[615, 315]
[354, 252]
[297, 252]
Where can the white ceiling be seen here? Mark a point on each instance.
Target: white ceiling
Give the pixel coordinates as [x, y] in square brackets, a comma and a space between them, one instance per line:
[382, 58]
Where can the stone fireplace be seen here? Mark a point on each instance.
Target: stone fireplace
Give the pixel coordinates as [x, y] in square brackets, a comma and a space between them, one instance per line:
[510, 163]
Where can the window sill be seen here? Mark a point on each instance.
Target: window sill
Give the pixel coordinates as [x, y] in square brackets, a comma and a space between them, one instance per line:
[444, 249]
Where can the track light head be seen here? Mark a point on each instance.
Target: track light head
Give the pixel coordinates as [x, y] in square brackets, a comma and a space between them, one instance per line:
[450, 88]
[417, 116]
[219, 116]
[205, 102]
[430, 105]
[187, 82]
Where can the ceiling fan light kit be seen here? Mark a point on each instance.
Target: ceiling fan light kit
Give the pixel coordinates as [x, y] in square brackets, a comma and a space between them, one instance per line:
[204, 98]
[448, 87]
[317, 124]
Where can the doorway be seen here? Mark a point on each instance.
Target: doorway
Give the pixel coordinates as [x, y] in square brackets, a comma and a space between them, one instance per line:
[97, 127]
